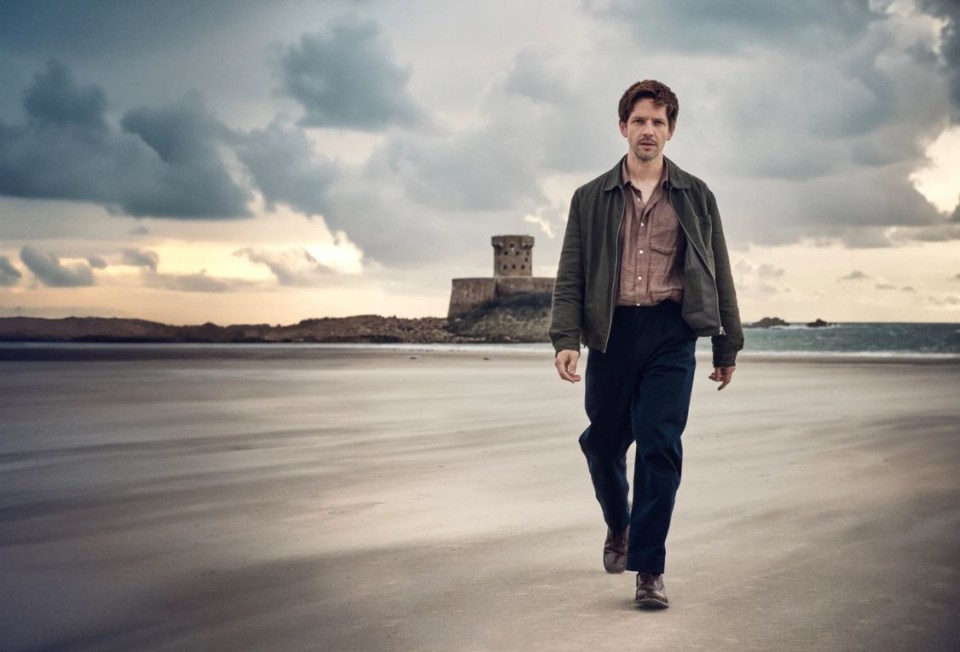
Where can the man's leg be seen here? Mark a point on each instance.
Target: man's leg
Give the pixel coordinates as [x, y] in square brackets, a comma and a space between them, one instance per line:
[611, 380]
[659, 416]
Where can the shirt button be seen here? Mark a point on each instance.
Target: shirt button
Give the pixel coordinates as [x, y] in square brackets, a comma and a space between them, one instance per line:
[641, 251]
[639, 278]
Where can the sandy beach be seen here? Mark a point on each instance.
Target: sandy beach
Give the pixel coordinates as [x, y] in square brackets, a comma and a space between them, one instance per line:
[355, 499]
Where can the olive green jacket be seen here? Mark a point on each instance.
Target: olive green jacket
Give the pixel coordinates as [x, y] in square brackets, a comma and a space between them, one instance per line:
[585, 292]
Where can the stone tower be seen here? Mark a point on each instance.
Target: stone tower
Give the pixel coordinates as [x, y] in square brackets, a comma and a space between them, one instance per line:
[512, 255]
[512, 275]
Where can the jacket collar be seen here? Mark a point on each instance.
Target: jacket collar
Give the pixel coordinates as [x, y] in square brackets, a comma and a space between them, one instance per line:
[676, 177]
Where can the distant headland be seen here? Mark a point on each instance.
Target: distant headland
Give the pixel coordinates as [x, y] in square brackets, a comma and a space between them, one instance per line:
[360, 328]
[510, 306]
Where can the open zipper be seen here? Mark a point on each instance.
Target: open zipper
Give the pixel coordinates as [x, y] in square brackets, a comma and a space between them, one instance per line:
[616, 274]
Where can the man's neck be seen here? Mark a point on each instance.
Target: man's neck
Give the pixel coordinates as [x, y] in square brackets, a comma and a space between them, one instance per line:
[644, 171]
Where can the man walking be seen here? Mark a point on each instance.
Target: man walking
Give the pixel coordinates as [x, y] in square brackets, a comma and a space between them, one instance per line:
[643, 272]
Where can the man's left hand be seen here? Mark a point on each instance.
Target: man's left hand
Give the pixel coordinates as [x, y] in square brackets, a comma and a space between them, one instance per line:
[722, 375]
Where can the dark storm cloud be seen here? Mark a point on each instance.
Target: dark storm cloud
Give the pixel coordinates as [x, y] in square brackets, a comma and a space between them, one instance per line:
[190, 179]
[163, 164]
[64, 149]
[295, 267]
[286, 168]
[345, 77]
[48, 269]
[734, 25]
[949, 11]
[96, 262]
[140, 258]
[9, 275]
[54, 99]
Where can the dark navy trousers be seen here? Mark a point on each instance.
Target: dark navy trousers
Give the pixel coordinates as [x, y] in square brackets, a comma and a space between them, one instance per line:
[639, 392]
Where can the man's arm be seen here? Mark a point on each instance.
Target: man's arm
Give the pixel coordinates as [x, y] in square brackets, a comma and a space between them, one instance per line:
[567, 309]
[726, 346]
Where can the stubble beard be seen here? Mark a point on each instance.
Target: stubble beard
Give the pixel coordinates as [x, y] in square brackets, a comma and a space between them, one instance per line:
[646, 157]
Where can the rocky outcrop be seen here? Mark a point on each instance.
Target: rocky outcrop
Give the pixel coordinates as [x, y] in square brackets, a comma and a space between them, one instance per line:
[519, 318]
[512, 318]
[371, 328]
[767, 322]
[818, 323]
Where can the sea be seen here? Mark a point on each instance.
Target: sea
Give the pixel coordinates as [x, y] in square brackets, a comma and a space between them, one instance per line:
[853, 339]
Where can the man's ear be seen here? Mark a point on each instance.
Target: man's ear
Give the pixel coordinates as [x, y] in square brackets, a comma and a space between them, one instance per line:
[623, 128]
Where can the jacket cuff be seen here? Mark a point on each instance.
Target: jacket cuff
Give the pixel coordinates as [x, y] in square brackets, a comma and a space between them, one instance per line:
[566, 345]
[724, 358]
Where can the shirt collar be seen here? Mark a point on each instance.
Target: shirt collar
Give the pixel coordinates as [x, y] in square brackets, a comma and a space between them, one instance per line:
[625, 178]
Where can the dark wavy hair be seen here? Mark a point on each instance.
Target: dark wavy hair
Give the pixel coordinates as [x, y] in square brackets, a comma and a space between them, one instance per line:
[650, 89]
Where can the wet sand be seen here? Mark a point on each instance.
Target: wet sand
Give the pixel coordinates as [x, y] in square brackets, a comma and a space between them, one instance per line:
[389, 500]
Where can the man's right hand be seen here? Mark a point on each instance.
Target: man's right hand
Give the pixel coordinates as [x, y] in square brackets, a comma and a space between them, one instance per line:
[566, 364]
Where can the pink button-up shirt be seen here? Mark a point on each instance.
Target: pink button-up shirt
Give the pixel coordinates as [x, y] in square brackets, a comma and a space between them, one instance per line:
[651, 258]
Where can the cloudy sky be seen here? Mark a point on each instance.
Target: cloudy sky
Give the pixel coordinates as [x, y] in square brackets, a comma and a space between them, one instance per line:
[252, 161]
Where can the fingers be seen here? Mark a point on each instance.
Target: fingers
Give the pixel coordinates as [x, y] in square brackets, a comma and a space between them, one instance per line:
[566, 364]
[568, 371]
[722, 375]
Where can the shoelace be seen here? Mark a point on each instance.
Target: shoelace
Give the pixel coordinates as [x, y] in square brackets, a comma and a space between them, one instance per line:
[648, 579]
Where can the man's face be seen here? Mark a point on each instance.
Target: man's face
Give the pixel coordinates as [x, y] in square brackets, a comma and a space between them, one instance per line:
[647, 130]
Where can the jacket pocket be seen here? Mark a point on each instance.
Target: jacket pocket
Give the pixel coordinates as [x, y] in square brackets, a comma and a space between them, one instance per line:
[701, 307]
[692, 293]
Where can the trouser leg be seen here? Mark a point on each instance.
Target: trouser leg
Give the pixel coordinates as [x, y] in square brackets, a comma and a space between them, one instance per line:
[658, 417]
[611, 379]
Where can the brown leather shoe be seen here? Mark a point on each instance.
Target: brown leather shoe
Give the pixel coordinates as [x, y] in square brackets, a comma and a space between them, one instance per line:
[650, 591]
[615, 551]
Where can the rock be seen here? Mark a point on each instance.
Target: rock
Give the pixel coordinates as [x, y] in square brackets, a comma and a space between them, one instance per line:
[767, 322]
[514, 318]
[819, 323]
